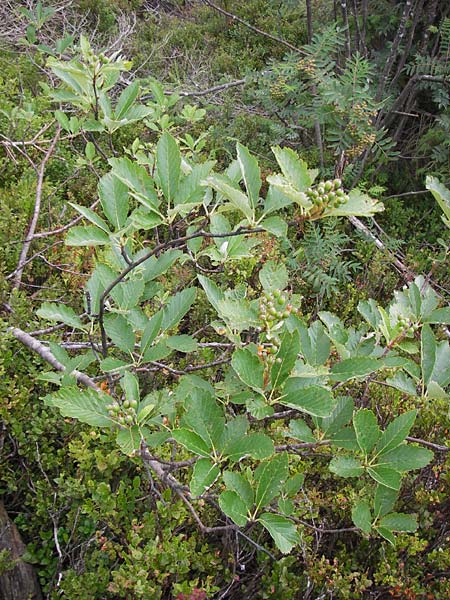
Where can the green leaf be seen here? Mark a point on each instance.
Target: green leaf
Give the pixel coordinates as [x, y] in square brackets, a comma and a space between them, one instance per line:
[361, 516]
[358, 205]
[399, 522]
[212, 291]
[113, 195]
[366, 428]
[182, 343]
[402, 382]
[273, 276]
[387, 534]
[120, 331]
[299, 430]
[238, 199]
[314, 343]
[293, 484]
[191, 441]
[314, 399]
[151, 330]
[285, 359]
[385, 476]
[91, 216]
[428, 351]
[130, 386]
[234, 507]
[236, 482]
[407, 458]
[283, 531]
[275, 225]
[269, 477]
[203, 476]
[257, 445]
[86, 236]
[384, 500]
[251, 173]
[341, 416]
[168, 163]
[396, 432]
[154, 267]
[294, 169]
[248, 368]
[87, 406]
[126, 100]
[205, 417]
[346, 466]
[441, 195]
[60, 313]
[345, 438]
[177, 307]
[129, 440]
[439, 316]
[353, 368]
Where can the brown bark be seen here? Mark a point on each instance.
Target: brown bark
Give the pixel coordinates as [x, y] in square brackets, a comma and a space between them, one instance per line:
[19, 582]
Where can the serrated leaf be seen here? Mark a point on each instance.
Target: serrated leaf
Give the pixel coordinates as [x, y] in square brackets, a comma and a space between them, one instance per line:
[203, 476]
[366, 429]
[150, 332]
[177, 307]
[257, 445]
[293, 484]
[129, 440]
[354, 368]
[428, 352]
[407, 458]
[314, 400]
[120, 332]
[91, 216]
[386, 534]
[234, 507]
[87, 406]
[130, 386]
[205, 417]
[182, 343]
[439, 316]
[358, 205]
[384, 500]
[314, 343]
[113, 195]
[168, 163]
[294, 169]
[399, 522]
[273, 276]
[341, 416]
[441, 195]
[285, 359]
[299, 430]
[396, 432]
[212, 291]
[346, 466]
[88, 235]
[282, 531]
[385, 476]
[191, 441]
[248, 368]
[238, 199]
[251, 173]
[61, 313]
[361, 516]
[239, 484]
[402, 382]
[126, 99]
[275, 225]
[269, 477]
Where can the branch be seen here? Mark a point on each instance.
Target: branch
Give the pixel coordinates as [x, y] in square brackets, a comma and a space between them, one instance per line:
[37, 208]
[45, 353]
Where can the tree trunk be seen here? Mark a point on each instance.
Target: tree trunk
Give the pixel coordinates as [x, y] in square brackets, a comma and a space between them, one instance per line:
[20, 581]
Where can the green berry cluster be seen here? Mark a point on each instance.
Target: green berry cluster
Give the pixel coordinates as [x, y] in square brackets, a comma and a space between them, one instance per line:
[123, 413]
[408, 327]
[274, 307]
[307, 66]
[327, 193]
[278, 89]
